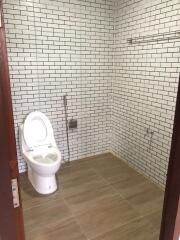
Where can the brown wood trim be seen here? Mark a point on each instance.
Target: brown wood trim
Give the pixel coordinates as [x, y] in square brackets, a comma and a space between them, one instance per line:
[9, 130]
[170, 218]
[170, 228]
[177, 226]
[7, 217]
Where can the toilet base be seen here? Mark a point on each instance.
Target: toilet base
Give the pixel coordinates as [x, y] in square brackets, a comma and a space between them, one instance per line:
[43, 185]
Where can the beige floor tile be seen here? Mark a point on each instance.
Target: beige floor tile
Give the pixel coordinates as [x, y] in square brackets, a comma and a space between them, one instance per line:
[67, 230]
[49, 213]
[155, 220]
[131, 184]
[108, 214]
[31, 199]
[98, 198]
[146, 199]
[83, 188]
[142, 194]
[104, 161]
[139, 229]
[73, 182]
[73, 166]
[87, 195]
[119, 173]
[136, 186]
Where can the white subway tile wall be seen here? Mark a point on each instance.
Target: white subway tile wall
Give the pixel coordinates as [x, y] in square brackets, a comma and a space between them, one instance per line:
[57, 48]
[123, 95]
[145, 84]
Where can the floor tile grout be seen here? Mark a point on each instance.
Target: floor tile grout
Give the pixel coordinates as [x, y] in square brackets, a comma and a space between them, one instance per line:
[72, 178]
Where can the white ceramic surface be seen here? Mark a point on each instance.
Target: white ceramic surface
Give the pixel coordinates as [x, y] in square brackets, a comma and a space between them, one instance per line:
[40, 152]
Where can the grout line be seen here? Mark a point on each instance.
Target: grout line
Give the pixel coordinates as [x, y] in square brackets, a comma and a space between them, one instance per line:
[115, 193]
[74, 218]
[138, 171]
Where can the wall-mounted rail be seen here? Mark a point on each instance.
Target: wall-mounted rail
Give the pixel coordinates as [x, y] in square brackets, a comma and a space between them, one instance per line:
[155, 37]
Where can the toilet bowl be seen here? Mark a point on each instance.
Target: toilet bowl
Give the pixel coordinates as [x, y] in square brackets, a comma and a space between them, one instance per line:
[40, 152]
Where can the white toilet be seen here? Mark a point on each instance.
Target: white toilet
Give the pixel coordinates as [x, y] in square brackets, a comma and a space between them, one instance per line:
[40, 152]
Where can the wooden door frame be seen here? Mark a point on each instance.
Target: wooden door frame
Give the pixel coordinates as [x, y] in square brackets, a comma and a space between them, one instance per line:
[177, 224]
[171, 215]
[170, 226]
[8, 158]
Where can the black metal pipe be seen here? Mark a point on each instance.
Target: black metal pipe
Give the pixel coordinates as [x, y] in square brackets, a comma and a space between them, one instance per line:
[67, 125]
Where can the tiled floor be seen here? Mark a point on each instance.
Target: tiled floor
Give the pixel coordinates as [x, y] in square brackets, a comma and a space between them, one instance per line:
[99, 198]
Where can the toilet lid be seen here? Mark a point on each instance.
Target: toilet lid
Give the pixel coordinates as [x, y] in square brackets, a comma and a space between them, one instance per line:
[37, 130]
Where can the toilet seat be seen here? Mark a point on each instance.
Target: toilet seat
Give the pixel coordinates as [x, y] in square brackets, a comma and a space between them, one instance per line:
[37, 130]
